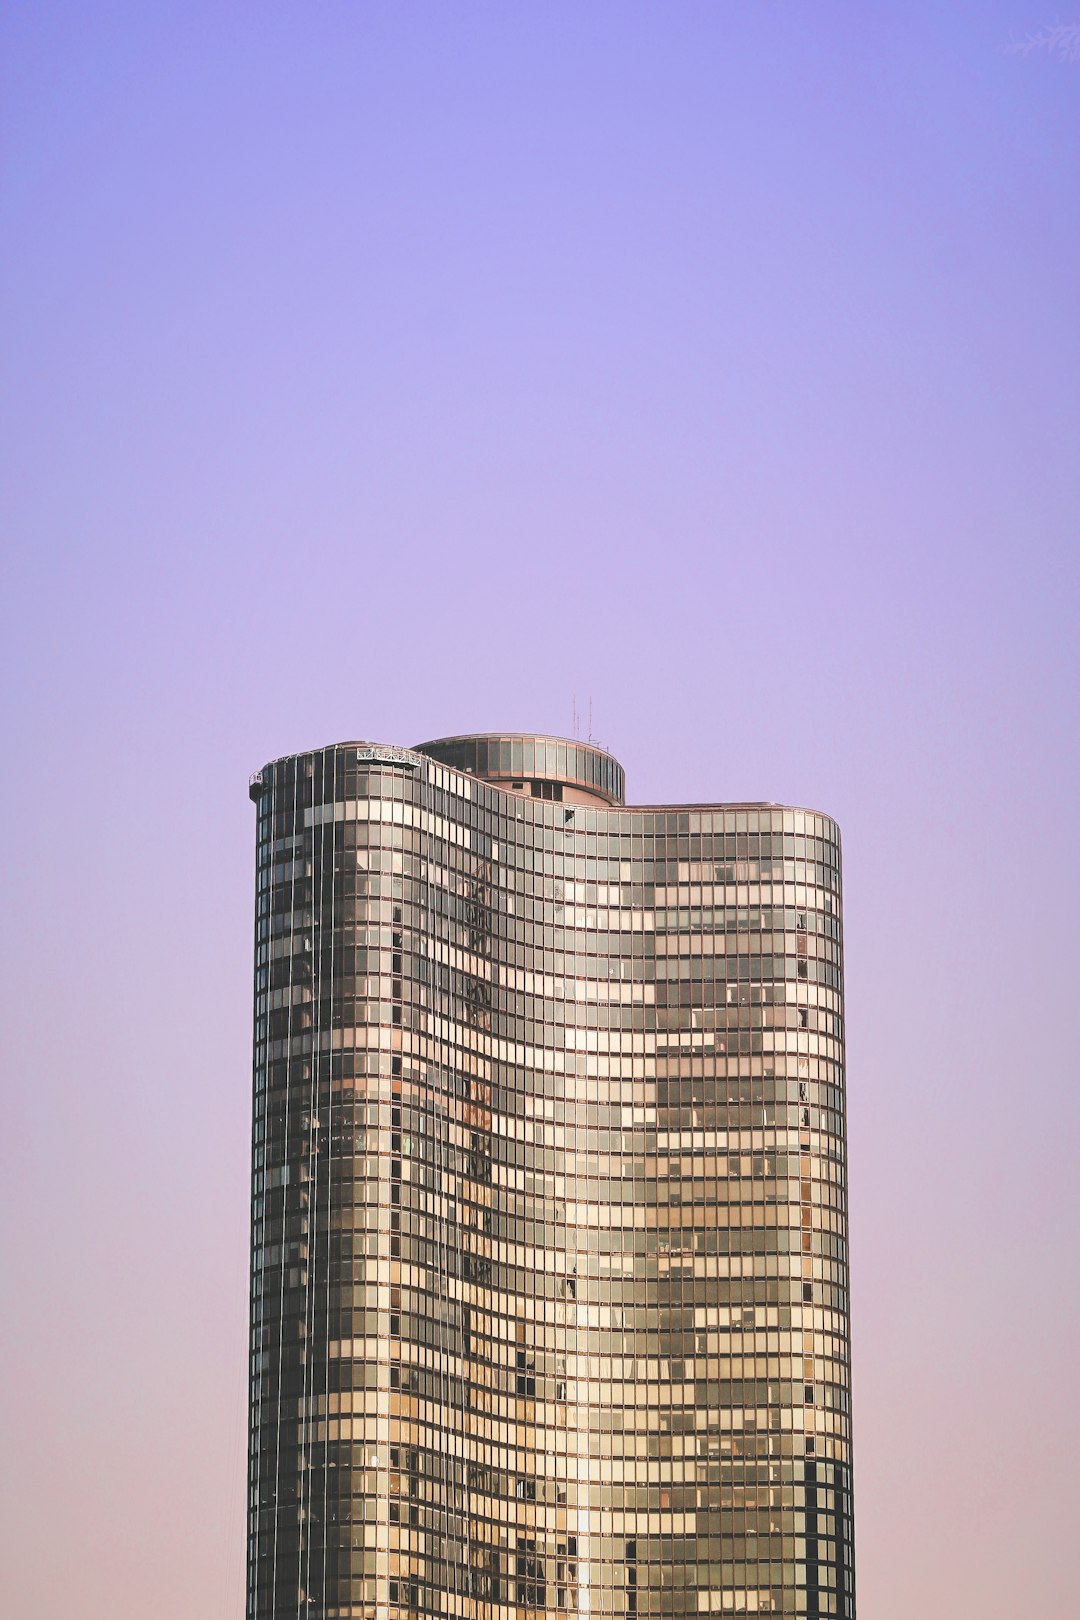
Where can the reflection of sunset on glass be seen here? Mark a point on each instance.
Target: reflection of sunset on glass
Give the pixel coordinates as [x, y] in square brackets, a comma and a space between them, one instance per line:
[700, 378]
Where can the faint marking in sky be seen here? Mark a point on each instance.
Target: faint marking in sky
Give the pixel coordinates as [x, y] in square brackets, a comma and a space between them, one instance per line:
[1059, 39]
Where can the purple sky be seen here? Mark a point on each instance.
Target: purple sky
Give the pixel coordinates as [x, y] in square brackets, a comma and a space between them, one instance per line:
[392, 370]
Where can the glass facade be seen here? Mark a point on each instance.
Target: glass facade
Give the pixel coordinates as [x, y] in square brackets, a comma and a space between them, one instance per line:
[549, 1304]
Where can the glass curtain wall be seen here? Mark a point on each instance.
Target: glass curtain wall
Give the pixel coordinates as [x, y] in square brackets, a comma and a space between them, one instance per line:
[549, 1304]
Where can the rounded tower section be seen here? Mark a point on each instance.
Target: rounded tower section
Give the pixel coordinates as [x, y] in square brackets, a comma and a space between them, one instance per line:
[542, 767]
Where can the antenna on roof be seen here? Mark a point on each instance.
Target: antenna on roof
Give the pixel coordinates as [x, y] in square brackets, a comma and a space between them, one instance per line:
[590, 719]
[577, 737]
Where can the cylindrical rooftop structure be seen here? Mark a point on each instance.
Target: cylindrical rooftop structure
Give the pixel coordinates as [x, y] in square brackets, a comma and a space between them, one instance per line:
[544, 767]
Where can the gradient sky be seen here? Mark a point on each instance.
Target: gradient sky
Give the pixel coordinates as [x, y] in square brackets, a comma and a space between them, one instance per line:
[393, 370]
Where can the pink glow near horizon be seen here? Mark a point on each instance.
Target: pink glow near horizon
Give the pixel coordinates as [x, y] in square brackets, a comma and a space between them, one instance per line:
[394, 371]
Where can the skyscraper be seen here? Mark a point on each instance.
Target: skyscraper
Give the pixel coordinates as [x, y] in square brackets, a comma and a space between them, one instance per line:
[549, 1306]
